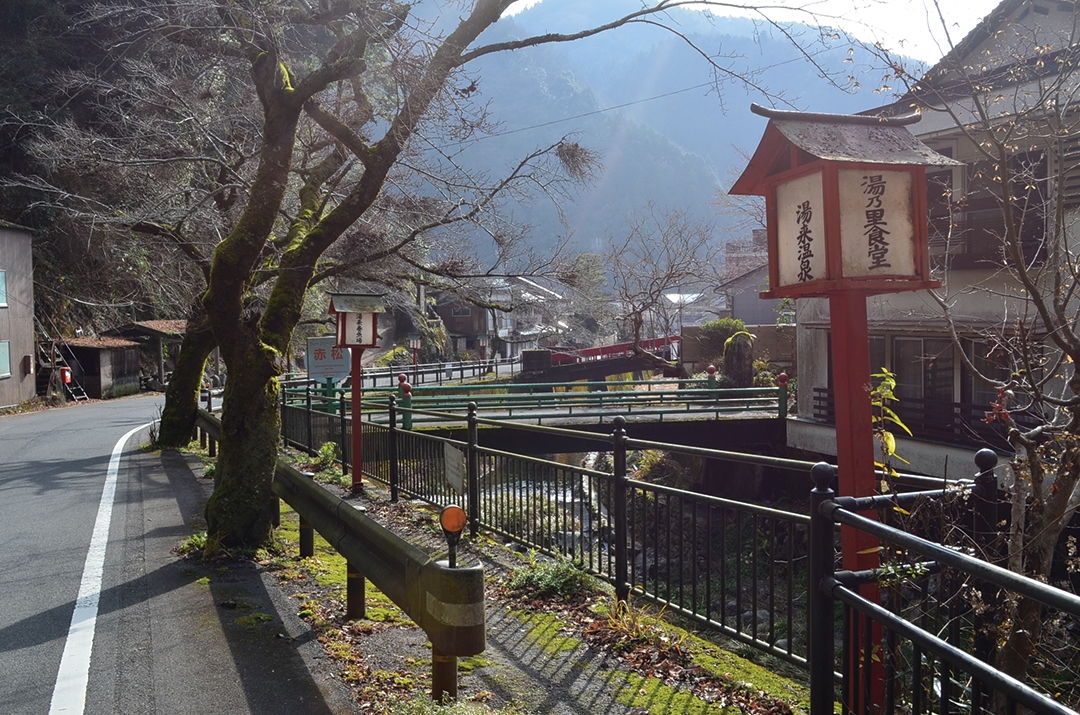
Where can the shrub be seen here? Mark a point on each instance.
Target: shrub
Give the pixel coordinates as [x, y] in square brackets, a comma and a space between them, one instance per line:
[714, 333]
[551, 578]
[327, 456]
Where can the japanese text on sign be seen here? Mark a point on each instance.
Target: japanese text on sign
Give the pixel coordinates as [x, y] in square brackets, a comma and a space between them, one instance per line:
[803, 214]
[325, 360]
[874, 187]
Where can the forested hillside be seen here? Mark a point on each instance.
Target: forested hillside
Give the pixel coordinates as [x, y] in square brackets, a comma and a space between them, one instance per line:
[644, 99]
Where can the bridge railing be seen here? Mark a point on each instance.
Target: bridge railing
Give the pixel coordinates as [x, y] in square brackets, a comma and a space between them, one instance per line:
[422, 374]
[312, 416]
[545, 402]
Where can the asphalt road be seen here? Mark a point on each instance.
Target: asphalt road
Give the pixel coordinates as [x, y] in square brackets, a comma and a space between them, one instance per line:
[154, 634]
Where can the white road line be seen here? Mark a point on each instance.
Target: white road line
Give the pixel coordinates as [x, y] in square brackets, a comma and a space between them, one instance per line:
[69, 693]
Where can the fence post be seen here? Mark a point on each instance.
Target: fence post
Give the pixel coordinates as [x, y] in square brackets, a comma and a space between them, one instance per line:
[307, 534]
[711, 369]
[820, 626]
[284, 398]
[355, 593]
[618, 443]
[310, 426]
[472, 466]
[395, 472]
[343, 431]
[406, 402]
[984, 497]
[209, 403]
[781, 395]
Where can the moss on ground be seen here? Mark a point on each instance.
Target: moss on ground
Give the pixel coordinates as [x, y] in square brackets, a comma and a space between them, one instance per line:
[328, 568]
[546, 632]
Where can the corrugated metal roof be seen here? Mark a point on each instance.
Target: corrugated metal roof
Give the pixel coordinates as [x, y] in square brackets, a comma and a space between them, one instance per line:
[99, 343]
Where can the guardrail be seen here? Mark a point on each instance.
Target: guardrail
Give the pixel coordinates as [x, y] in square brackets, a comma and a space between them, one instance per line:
[447, 603]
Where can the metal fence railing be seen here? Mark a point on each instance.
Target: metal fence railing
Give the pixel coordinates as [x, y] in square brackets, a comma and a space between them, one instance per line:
[920, 634]
[733, 567]
[761, 576]
[737, 568]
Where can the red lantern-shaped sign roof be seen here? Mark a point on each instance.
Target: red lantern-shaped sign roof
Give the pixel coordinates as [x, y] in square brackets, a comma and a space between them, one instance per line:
[846, 202]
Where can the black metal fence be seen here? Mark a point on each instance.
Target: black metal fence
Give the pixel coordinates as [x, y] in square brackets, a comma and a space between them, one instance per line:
[915, 642]
[919, 634]
[737, 568]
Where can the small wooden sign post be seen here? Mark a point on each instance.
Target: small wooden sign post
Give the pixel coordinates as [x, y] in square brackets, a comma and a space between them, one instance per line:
[357, 328]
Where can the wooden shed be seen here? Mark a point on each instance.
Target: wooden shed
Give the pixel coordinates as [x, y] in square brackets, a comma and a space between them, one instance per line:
[105, 367]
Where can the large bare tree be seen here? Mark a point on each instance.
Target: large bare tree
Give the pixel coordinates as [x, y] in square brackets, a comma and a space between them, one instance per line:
[663, 250]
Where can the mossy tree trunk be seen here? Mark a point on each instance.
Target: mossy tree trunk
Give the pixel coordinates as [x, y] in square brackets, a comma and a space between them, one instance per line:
[252, 345]
[240, 509]
[182, 394]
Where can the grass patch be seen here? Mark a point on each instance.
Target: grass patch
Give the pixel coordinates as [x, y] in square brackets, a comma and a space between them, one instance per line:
[254, 620]
[327, 568]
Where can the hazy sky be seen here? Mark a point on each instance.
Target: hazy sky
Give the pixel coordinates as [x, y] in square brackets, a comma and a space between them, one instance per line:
[911, 27]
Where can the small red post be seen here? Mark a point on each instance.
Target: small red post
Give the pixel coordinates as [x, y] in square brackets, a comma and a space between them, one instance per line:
[357, 428]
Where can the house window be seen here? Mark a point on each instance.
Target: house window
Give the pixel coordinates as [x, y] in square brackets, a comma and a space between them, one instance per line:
[982, 227]
[3, 289]
[924, 368]
[993, 364]
[461, 312]
[5, 358]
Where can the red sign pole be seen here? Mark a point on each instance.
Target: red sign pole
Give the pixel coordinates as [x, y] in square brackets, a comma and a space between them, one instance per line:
[855, 448]
[357, 428]
[854, 418]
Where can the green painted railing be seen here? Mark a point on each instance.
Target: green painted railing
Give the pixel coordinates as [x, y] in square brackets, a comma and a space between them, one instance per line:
[542, 402]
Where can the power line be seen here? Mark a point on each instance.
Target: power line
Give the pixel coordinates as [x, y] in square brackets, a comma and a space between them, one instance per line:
[592, 113]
